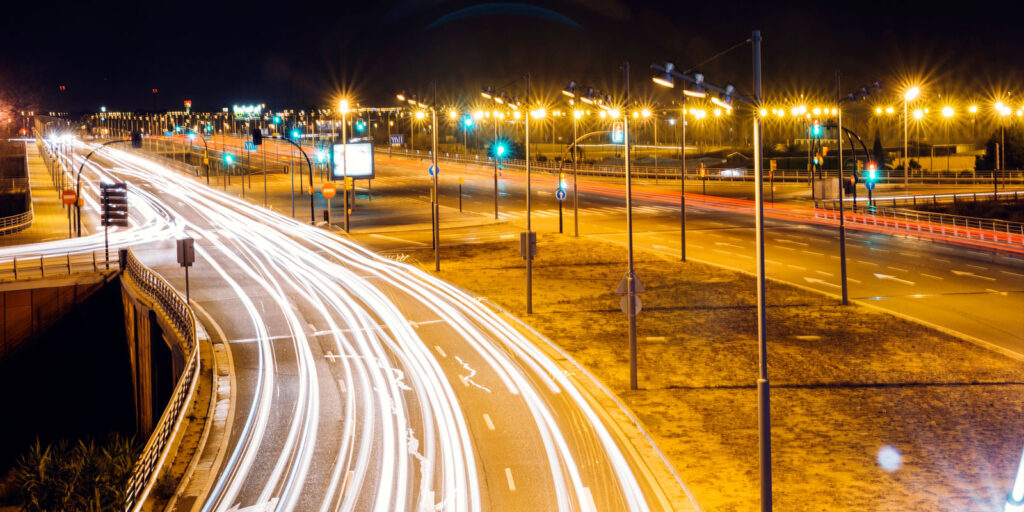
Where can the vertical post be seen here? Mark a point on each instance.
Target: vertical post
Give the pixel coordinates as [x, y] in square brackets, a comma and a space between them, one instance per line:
[906, 146]
[631, 276]
[344, 166]
[188, 296]
[437, 172]
[493, 150]
[575, 172]
[763, 387]
[842, 186]
[263, 147]
[529, 259]
[682, 184]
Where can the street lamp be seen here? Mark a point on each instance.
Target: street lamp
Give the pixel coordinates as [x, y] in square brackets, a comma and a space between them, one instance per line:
[343, 107]
[572, 91]
[763, 388]
[908, 96]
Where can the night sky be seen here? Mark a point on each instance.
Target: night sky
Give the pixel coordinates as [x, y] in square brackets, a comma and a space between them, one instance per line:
[301, 53]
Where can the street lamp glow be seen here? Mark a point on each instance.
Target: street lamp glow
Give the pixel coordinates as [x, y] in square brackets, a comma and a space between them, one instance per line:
[912, 93]
[420, 114]
[878, 110]
[645, 113]
[343, 106]
[452, 114]
[718, 112]
[578, 114]
[515, 114]
[540, 113]
[947, 111]
[889, 110]
[817, 111]
[478, 115]
[918, 114]
[614, 113]
[973, 109]
[764, 112]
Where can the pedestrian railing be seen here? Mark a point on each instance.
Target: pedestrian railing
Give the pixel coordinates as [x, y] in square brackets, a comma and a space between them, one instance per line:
[147, 467]
[13, 185]
[991, 231]
[15, 223]
[53, 265]
[926, 199]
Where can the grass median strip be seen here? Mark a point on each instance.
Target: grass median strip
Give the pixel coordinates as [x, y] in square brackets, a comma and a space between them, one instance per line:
[869, 412]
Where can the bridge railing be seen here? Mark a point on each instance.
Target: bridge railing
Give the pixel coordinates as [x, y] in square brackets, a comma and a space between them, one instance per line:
[15, 223]
[53, 265]
[147, 467]
[926, 199]
[990, 231]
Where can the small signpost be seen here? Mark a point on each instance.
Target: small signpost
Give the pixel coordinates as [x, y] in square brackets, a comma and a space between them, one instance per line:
[328, 190]
[462, 179]
[68, 197]
[186, 257]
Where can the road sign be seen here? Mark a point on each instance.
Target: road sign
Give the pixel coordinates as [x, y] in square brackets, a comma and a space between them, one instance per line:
[328, 190]
[623, 288]
[462, 179]
[431, 169]
[773, 165]
[560, 194]
[397, 140]
[114, 199]
[250, 145]
[528, 244]
[869, 184]
[350, 183]
[186, 252]
[623, 304]
[824, 151]
[68, 196]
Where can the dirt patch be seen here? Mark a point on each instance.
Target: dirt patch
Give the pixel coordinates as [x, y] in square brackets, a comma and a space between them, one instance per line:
[851, 388]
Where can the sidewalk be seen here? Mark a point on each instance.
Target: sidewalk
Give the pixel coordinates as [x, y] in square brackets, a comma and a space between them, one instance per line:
[50, 217]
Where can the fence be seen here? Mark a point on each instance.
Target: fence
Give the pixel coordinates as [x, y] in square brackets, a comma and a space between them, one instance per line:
[15, 223]
[13, 185]
[147, 468]
[991, 231]
[924, 199]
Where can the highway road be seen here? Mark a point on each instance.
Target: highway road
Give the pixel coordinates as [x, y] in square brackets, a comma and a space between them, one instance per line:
[971, 291]
[363, 383]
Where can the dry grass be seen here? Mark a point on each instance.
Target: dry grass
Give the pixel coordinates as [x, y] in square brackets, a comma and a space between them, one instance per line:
[846, 381]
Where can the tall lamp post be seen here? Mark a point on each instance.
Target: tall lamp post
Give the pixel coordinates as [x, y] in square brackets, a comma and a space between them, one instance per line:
[572, 91]
[727, 94]
[344, 108]
[908, 96]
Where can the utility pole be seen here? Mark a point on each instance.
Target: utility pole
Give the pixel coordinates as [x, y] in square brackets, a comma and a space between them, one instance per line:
[842, 186]
[682, 185]
[631, 274]
[437, 171]
[529, 258]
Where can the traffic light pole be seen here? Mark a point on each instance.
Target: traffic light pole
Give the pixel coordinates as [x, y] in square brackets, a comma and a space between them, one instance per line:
[78, 185]
[312, 213]
[437, 172]
[682, 185]
[842, 214]
[631, 274]
[529, 259]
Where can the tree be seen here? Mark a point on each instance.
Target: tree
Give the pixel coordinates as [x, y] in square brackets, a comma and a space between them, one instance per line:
[1014, 150]
[877, 152]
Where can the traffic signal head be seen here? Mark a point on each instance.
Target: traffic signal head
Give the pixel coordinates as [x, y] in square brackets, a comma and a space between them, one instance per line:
[872, 171]
[499, 150]
[563, 183]
[229, 159]
[816, 129]
[467, 122]
[277, 119]
[360, 125]
[295, 133]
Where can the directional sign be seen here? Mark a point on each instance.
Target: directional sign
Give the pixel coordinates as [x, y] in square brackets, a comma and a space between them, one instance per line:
[624, 285]
[560, 194]
[397, 140]
[250, 145]
[869, 184]
[431, 169]
[624, 304]
[114, 199]
[186, 252]
[68, 196]
[328, 190]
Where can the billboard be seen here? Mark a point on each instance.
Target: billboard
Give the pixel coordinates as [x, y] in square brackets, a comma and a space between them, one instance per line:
[358, 163]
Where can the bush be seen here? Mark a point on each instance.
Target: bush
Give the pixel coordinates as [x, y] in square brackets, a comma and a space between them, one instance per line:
[77, 476]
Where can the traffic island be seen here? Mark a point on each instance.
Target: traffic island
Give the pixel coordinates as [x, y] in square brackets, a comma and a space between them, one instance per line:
[869, 412]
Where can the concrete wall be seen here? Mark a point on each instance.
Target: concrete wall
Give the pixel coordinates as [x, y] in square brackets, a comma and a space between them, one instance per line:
[155, 352]
[29, 307]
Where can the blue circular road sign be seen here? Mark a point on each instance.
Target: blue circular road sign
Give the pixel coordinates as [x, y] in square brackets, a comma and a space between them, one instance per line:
[431, 169]
[560, 194]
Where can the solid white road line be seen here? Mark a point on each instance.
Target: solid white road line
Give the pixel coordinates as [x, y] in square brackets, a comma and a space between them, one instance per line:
[511, 482]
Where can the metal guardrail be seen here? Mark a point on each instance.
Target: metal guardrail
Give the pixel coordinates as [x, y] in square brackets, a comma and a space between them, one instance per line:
[13, 185]
[15, 223]
[56, 265]
[925, 199]
[994, 231]
[147, 467]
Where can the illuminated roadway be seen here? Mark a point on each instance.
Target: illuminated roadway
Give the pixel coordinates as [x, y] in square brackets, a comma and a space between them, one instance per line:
[972, 291]
[365, 384]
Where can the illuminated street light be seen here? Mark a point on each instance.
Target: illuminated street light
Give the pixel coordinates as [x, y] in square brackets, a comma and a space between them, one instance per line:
[478, 115]
[912, 93]
[918, 114]
[614, 113]
[539, 113]
[889, 110]
[947, 111]
[908, 96]
[973, 109]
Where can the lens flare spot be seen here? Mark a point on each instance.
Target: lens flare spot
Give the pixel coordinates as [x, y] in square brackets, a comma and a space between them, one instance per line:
[889, 458]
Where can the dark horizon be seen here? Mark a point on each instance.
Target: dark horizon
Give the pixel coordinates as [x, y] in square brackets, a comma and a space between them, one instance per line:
[246, 53]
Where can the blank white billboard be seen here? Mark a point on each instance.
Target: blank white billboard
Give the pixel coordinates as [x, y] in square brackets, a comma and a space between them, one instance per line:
[358, 163]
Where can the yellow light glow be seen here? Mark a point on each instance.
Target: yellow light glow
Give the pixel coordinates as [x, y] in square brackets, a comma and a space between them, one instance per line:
[636, 115]
[718, 112]
[516, 114]
[817, 111]
[889, 110]
[781, 113]
[539, 113]
[912, 93]
[764, 112]
[452, 114]
[645, 113]
[918, 114]
[878, 110]
[602, 114]
[947, 111]
[795, 111]
[420, 114]
[973, 109]
[343, 106]
[699, 113]
[478, 115]
[614, 113]
[578, 114]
